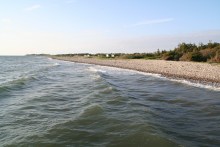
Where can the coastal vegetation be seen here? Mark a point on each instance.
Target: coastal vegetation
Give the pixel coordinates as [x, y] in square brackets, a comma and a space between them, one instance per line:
[209, 52]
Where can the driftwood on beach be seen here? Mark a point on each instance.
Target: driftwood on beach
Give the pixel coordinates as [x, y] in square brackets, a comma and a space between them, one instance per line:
[200, 72]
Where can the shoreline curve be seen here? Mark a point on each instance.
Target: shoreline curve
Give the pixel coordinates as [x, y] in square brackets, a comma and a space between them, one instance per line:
[196, 72]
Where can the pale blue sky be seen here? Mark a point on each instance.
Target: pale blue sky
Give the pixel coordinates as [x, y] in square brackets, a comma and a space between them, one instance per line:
[74, 26]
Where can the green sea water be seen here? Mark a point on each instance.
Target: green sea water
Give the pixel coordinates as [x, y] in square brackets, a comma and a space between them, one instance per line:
[46, 102]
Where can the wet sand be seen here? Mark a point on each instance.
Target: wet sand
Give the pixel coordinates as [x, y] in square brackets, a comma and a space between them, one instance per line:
[193, 71]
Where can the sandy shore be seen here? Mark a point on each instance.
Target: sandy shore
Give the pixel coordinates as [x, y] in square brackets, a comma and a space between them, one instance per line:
[197, 72]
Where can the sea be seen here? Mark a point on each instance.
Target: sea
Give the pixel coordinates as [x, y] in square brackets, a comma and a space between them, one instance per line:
[47, 102]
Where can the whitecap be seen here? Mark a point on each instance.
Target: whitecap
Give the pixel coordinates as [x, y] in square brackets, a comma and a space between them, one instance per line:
[96, 77]
[96, 70]
[56, 64]
[197, 84]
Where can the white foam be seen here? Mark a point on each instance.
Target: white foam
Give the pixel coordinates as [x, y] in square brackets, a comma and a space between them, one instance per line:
[150, 74]
[186, 82]
[115, 70]
[129, 71]
[104, 69]
[96, 77]
[56, 64]
[110, 70]
[93, 69]
[197, 84]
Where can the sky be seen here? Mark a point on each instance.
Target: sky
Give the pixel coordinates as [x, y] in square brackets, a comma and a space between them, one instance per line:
[105, 26]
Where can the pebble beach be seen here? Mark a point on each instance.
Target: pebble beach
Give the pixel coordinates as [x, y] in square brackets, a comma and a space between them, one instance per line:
[197, 72]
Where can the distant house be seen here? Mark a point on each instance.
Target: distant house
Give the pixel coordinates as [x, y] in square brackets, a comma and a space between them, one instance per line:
[86, 55]
[110, 55]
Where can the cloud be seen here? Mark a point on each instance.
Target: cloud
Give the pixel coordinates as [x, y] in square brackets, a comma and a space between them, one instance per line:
[33, 7]
[6, 25]
[21, 42]
[6, 21]
[150, 22]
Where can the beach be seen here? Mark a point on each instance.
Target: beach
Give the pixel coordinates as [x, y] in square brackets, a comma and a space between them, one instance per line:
[194, 71]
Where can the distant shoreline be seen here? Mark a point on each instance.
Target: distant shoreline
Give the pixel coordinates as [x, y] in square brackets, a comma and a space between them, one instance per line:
[203, 73]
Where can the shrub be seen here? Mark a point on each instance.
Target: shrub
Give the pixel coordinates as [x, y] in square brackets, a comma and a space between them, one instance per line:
[216, 58]
[197, 56]
[186, 57]
[208, 53]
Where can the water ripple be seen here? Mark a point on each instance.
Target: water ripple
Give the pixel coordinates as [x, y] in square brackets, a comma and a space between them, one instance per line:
[56, 103]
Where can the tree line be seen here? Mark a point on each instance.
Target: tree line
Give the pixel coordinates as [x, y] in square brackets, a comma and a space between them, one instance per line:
[209, 52]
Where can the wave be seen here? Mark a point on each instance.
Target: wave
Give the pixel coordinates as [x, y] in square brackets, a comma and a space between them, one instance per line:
[121, 71]
[107, 90]
[44, 68]
[115, 70]
[56, 64]
[16, 84]
[49, 66]
[197, 84]
[31, 75]
[94, 109]
[96, 77]
[49, 58]
[95, 70]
